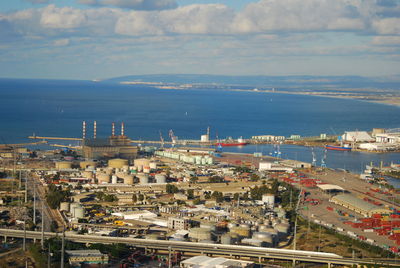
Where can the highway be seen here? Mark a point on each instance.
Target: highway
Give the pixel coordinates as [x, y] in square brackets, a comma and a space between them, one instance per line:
[205, 248]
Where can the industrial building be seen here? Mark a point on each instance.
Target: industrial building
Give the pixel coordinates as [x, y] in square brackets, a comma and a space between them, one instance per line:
[358, 205]
[208, 262]
[114, 146]
[79, 257]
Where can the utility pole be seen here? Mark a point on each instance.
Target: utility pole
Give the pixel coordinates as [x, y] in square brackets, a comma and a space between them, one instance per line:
[42, 225]
[26, 190]
[20, 179]
[24, 241]
[169, 257]
[34, 203]
[62, 248]
[48, 256]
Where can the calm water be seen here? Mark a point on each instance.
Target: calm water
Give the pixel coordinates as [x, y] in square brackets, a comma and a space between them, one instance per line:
[57, 108]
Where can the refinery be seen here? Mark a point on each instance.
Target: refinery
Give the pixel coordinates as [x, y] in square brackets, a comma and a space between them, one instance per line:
[187, 203]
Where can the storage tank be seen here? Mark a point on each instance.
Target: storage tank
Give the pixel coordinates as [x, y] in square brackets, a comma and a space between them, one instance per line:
[268, 199]
[79, 212]
[86, 164]
[283, 230]
[114, 179]
[64, 206]
[153, 165]
[146, 169]
[252, 242]
[87, 174]
[226, 239]
[128, 179]
[242, 231]
[267, 238]
[143, 178]
[232, 225]
[63, 165]
[200, 234]
[117, 163]
[141, 162]
[160, 178]
[103, 178]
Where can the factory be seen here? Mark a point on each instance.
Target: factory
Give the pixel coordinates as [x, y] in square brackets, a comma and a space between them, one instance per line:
[114, 146]
[358, 205]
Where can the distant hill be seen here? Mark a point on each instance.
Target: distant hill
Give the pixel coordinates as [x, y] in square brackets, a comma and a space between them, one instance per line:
[392, 82]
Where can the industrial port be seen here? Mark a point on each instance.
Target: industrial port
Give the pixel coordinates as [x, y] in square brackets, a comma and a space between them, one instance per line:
[118, 202]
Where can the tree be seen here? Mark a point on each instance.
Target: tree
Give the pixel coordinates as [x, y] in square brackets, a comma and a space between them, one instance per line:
[134, 198]
[207, 195]
[236, 196]
[171, 189]
[254, 177]
[218, 196]
[194, 179]
[141, 197]
[190, 193]
[215, 179]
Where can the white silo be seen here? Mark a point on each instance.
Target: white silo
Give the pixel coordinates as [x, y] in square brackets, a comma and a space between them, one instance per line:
[143, 178]
[153, 165]
[160, 178]
[269, 200]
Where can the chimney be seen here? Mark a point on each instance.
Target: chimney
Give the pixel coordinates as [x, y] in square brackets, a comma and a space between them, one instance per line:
[122, 129]
[94, 129]
[84, 130]
[113, 129]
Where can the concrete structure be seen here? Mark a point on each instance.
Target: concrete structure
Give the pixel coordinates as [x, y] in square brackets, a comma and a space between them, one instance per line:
[77, 258]
[86, 164]
[356, 136]
[63, 165]
[117, 163]
[114, 146]
[358, 205]
[178, 223]
[208, 262]
[199, 234]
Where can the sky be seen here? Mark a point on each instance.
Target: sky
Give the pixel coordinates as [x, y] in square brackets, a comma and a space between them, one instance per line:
[97, 39]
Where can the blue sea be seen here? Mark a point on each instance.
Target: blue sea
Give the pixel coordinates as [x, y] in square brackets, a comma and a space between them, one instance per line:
[57, 108]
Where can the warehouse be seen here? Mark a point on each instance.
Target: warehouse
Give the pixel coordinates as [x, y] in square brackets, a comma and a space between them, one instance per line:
[358, 205]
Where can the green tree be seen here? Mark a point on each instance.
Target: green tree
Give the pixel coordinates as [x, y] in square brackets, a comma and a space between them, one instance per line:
[216, 179]
[190, 193]
[171, 189]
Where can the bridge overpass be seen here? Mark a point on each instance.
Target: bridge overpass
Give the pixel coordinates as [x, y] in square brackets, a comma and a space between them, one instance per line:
[208, 249]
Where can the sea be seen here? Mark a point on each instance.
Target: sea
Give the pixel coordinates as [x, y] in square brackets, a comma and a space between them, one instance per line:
[58, 107]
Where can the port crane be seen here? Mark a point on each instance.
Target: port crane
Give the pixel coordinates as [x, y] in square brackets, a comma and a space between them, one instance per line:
[172, 136]
[314, 158]
[323, 161]
[161, 139]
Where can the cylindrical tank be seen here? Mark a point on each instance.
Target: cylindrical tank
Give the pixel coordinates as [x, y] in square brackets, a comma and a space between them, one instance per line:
[79, 212]
[153, 165]
[143, 178]
[160, 178]
[269, 199]
[86, 164]
[263, 227]
[283, 230]
[210, 226]
[232, 225]
[63, 165]
[64, 206]
[252, 242]
[146, 169]
[87, 174]
[103, 178]
[242, 231]
[265, 237]
[200, 234]
[117, 163]
[114, 179]
[128, 179]
[226, 239]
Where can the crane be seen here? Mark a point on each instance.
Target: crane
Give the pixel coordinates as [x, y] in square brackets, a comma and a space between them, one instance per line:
[323, 163]
[162, 140]
[172, 136]
[314, 159]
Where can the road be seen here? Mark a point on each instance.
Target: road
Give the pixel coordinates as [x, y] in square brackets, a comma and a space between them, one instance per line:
[204, 248]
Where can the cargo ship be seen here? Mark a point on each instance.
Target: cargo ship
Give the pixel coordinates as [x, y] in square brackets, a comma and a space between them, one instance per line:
[338, 148]
[231, 142]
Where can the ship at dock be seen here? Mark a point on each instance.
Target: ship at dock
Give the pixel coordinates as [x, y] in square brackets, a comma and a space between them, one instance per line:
[338, 148]
[230, 142]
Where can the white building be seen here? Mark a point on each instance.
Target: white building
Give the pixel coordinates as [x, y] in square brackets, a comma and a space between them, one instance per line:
[392, 138]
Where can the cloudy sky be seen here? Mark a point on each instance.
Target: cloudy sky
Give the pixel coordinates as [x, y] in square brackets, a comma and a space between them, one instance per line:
[88, 39]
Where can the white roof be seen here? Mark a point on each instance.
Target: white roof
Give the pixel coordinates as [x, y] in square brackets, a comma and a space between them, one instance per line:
[329, 187]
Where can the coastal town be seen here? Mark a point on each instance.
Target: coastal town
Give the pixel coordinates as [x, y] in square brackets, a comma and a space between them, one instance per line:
[178, 194]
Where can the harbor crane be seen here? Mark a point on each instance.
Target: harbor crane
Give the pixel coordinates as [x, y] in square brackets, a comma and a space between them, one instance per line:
[172, 136]
[323, 161]
[161, 139]
[314, 158]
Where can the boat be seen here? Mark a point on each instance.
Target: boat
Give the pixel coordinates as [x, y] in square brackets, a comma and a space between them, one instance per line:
[338, 148]
[230, 142]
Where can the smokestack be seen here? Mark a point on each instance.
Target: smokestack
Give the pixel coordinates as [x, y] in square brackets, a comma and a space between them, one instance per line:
[122, 129]
[94, 129]
[84, 130]
[113, 129]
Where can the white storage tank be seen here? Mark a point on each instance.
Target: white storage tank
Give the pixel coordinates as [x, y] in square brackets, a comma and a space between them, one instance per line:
[64, 206]
[199, 234]
[153, 165]
[143, 178]
[160, 178]
[252, 242]
[128, 179]
[268, 199]
[283, 230]
[103, 178]
[267, 238]
[114, 179]
[226, 239]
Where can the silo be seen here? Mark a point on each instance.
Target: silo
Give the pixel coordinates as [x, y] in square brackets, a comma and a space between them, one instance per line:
[128, 179]
[64, 206]
[114, 179]
[160, 178]
[86, 164]
[103, 178]
[117, 163]
[242, 231]
[143, 178]
[267, 238]
[153, 165]
[210, 161]
[203, 161]
[200, 234]
[63, 165]
[226, 239]
[252, 242]
[283, 230]
[269, 199]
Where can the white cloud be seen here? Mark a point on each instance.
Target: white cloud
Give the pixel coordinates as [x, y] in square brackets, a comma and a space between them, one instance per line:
[133, 4]
[62, 18]
[386, 40]
[61, 42]
[387, 26]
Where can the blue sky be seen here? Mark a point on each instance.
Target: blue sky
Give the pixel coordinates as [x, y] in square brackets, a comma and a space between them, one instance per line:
[88, 39]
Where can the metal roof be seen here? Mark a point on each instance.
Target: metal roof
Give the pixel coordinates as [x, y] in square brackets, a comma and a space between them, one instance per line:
[355, 202]
[330, 187]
